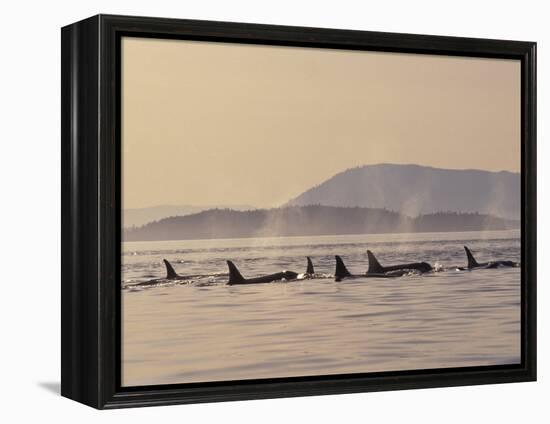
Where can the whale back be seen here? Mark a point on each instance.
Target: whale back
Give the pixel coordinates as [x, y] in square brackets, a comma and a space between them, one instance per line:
[374, 265]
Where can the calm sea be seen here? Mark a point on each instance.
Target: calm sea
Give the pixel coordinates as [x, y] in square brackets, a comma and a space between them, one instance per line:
[203, 330]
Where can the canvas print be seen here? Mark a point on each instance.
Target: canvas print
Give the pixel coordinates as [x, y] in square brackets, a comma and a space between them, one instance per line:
[293, 212]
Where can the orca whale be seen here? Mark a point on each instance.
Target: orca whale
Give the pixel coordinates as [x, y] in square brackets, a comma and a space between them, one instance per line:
[171, 274]
[342, 272]
[235, 277]
[376, 268]
[472, 263]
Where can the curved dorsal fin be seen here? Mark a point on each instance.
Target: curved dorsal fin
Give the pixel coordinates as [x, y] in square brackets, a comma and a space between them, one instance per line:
[472, 263]
[235, 276]
[341, 270]
[309, 269]
[170, 273]
[374, 265]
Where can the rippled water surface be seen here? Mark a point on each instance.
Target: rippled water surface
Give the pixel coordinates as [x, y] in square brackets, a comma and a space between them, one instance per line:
[204, 330]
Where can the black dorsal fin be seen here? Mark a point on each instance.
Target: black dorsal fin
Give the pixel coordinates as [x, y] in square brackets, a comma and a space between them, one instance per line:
[235, 276]
[472, 263]
[170, 273]
[309, 269]
[341, 270]
[374, 265]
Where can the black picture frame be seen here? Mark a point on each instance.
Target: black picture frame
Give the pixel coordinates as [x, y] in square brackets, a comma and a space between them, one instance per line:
[91, 222]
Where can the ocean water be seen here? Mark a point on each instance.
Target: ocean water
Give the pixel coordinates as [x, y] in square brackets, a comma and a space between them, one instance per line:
[204, 330]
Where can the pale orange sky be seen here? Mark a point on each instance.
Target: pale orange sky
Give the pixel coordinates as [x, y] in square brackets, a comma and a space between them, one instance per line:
[216, 123]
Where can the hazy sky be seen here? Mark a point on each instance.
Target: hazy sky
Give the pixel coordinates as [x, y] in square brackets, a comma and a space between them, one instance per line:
[214, 123]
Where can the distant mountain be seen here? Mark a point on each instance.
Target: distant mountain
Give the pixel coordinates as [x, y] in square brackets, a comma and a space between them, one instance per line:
[414, 189]
[308, 220]
[140, 216]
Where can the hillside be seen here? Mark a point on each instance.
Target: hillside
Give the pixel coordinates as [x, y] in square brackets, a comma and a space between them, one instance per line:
[135, 217]
[307, 220]
[414, 190]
